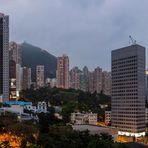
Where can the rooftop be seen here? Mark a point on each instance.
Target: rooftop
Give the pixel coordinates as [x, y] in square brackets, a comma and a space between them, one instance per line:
[93, 129]
[17, 103]
[1, 14]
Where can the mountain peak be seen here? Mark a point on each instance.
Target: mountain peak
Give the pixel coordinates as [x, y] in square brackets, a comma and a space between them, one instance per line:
[33, 56]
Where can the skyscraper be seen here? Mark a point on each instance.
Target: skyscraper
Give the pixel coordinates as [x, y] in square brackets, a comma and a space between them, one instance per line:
[15, 53]
[12, 79]
[15, 58]
[75, 78]
[26, 78]
[128, 90]
[19, 72]
[83, 82]
[40, 75]
[63, 72]
[106, 83]
[98, 79]
[85, 79]
[91, 82]
[4, 57]
[95, 80]
[86, 71]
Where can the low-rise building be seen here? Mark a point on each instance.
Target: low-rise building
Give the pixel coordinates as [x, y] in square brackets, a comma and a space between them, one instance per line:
[102, 106]
[107, 117]
[52, 82]
[19, 106]
[84, 118]
[58, 116]
[41, 107]
[92, 119]
[14, 108]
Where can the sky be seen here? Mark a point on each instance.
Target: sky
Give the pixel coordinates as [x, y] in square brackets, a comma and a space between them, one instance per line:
[85, 30]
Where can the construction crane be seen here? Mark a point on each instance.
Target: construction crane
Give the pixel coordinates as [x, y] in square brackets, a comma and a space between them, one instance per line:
[132, 41]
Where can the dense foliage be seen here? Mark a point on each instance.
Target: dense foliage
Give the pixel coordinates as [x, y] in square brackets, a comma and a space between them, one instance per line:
[73, 139]
[49, 134]
[69, 100]
[61, 97]
[62, 136]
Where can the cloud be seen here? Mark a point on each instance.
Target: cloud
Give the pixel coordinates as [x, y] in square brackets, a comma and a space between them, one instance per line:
[87, 30]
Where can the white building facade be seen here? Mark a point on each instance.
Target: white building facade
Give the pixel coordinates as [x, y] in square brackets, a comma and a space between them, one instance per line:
[84, 118]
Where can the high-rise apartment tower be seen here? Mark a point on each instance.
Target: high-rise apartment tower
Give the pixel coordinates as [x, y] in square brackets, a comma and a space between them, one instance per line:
[26, 78]
[15, 52]
[63, 72]
[40, 75]
[74, 78]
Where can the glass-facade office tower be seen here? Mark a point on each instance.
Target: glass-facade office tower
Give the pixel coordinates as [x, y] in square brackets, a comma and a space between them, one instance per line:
[128, 90]
[4, 57]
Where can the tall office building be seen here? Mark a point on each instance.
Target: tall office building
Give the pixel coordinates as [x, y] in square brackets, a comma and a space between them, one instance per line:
[40, 75]
[4, 57]
[128, 90]
[63, 72]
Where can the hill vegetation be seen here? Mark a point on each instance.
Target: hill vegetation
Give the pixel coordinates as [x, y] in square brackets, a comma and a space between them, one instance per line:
[32, 56]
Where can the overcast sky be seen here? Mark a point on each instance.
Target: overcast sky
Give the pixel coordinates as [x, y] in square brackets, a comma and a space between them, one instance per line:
[86, 30]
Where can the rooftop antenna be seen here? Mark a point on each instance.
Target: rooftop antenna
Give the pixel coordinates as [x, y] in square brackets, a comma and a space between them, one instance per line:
[132, 41]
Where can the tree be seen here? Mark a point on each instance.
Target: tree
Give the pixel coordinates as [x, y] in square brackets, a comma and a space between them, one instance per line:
[44, 119]
[25, 131]
[32, 146]
[67, 110]
[5, 144]
[96, 143]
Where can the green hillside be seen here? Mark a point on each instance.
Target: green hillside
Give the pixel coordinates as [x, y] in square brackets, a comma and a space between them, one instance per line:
[32, 56]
